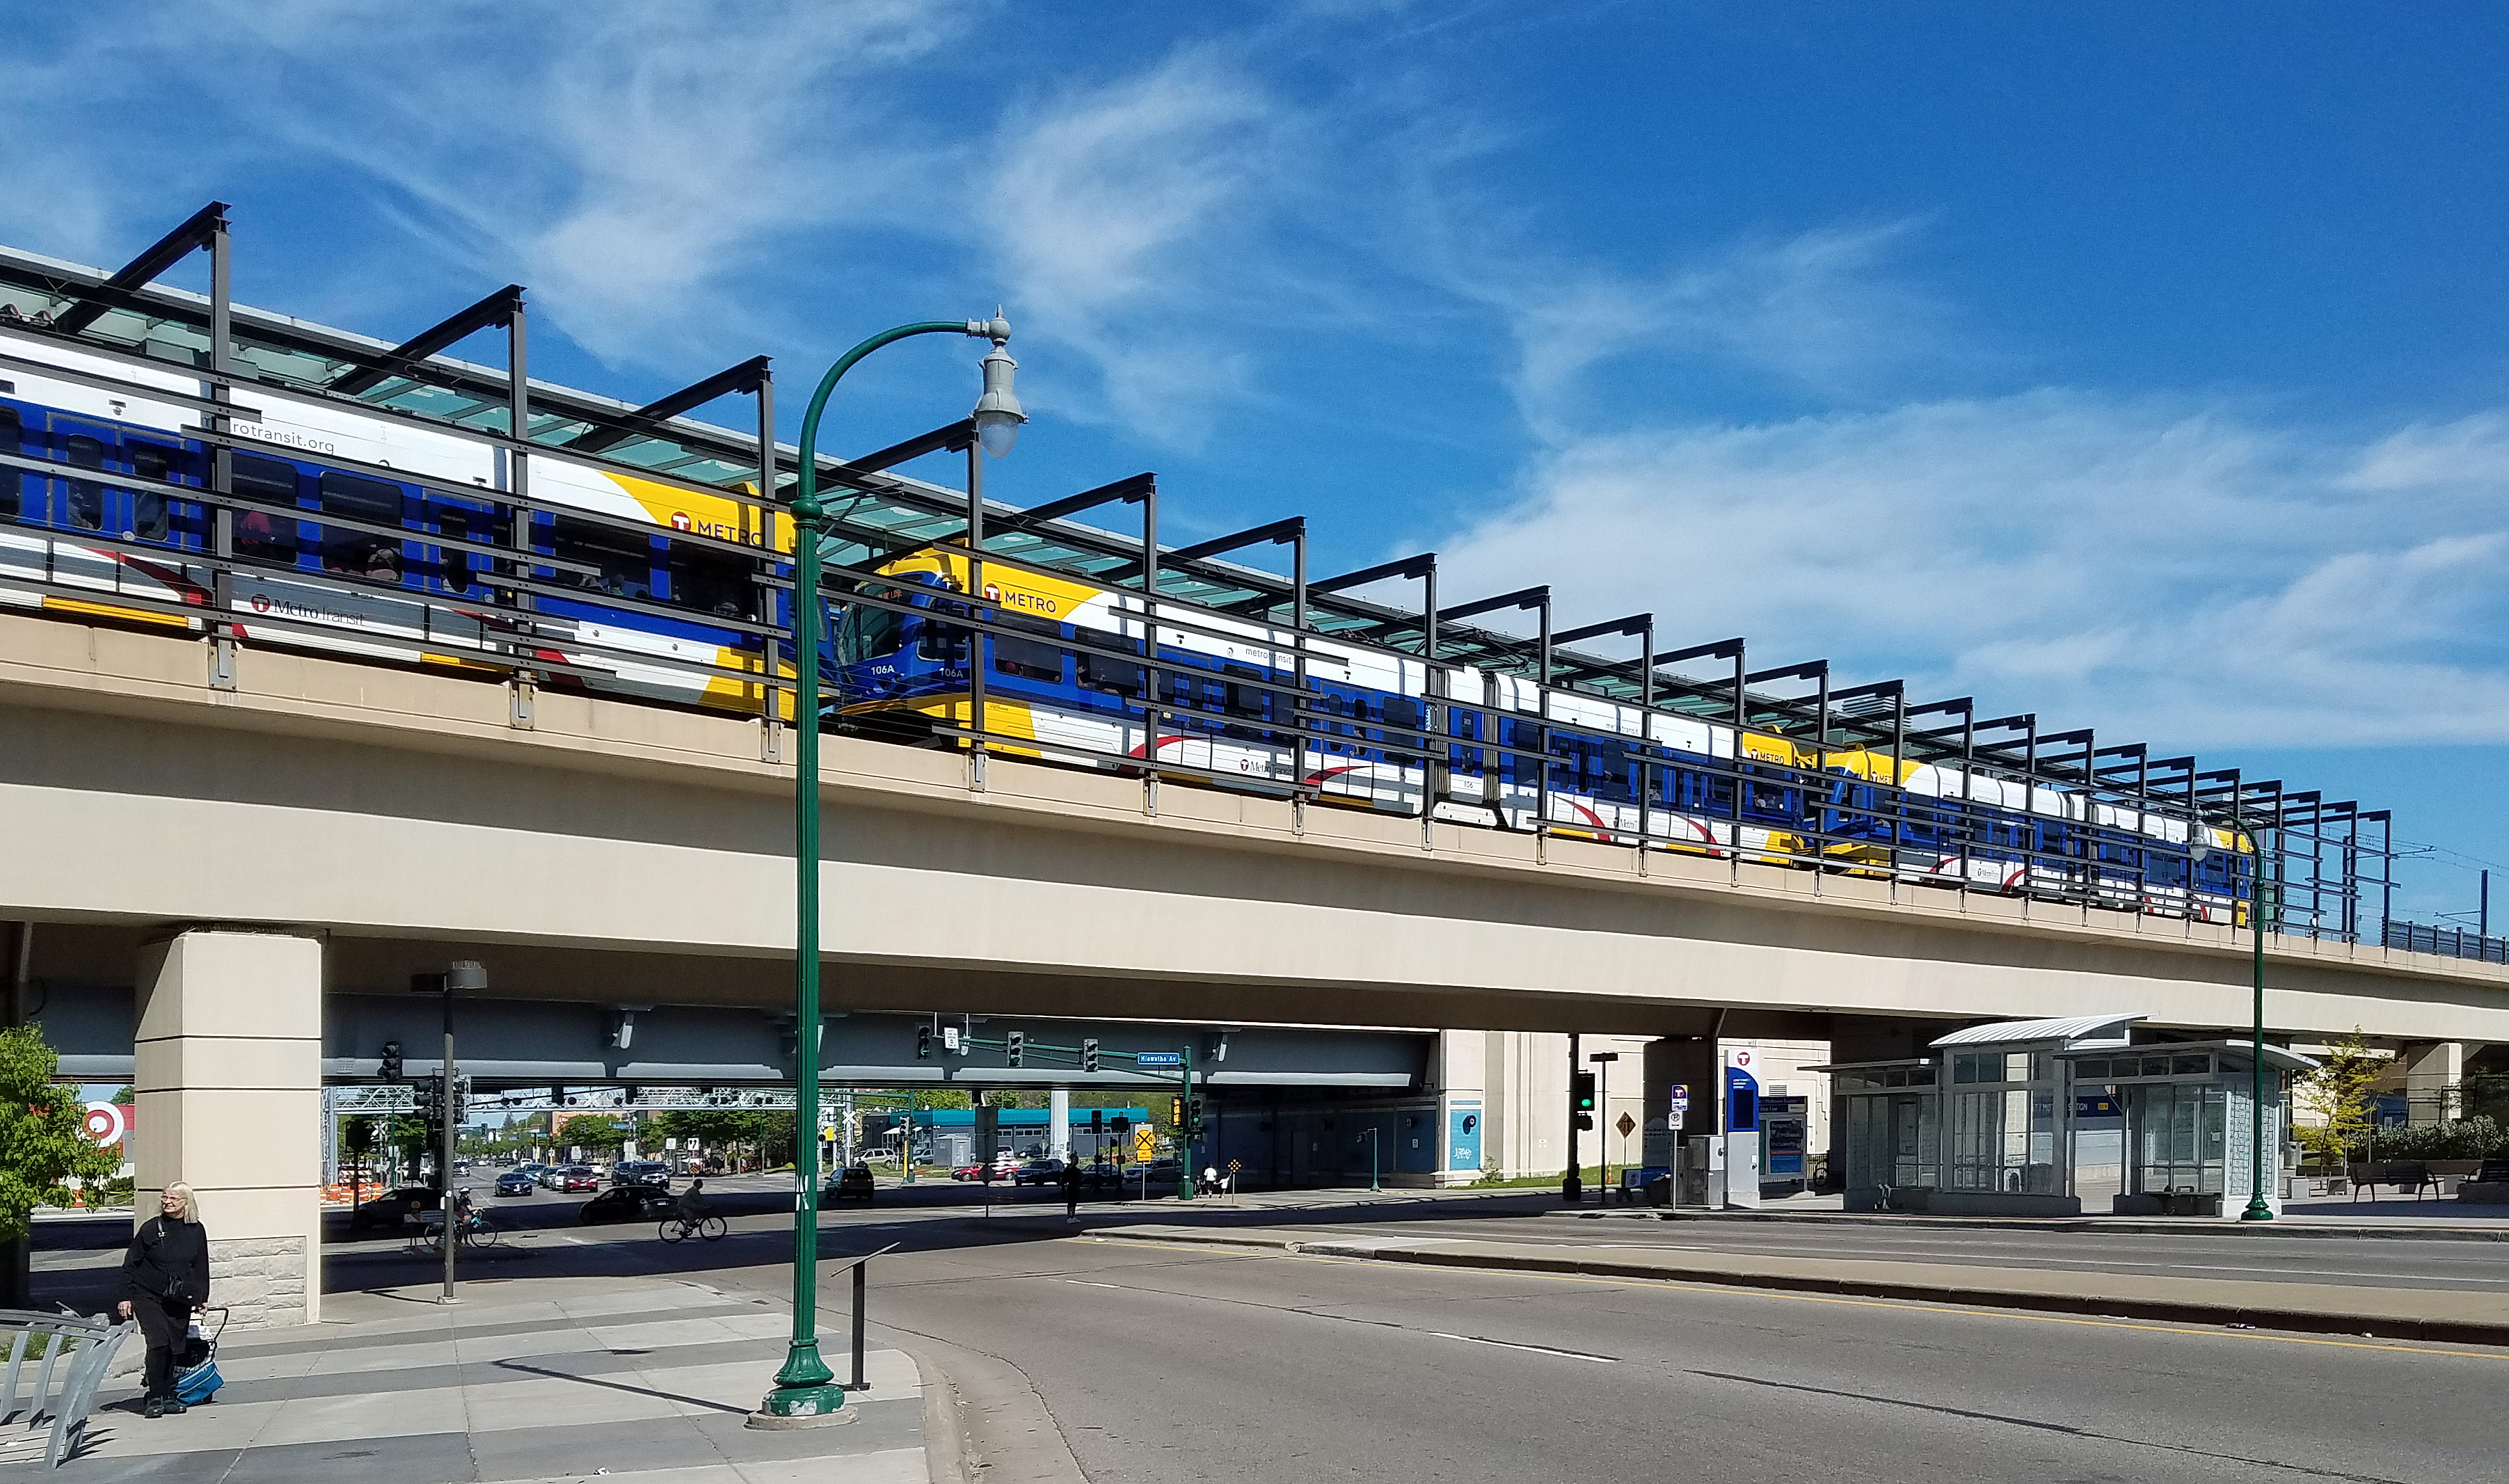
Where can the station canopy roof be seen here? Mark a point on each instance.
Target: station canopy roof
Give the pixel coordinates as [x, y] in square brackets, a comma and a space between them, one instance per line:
[2110, 1028]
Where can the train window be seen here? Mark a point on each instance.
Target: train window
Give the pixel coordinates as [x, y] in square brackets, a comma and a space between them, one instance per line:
[712, 583]
[1401, 710]
[87, 497]
[1099, 672]
[452, 565]
[13, 433]
[271, 481]
[866, 633]
[361, 552]
[149, 516]
[1239, 698]
[625, 557]
[1028, 659]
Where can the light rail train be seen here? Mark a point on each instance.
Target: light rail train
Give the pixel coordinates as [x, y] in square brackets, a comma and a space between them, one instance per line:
[372, 534]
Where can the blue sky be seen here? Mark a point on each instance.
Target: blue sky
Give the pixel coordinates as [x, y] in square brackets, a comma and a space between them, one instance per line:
[2148, 370]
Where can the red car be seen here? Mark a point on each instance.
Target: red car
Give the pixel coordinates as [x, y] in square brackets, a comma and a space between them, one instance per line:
[575, 1177]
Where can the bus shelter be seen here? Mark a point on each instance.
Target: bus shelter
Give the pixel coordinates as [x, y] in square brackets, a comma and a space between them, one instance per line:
[2053, 1117]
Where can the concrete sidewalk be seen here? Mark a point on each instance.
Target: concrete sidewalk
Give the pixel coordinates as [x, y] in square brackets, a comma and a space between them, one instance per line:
[641, 1379]
[2410, 1314]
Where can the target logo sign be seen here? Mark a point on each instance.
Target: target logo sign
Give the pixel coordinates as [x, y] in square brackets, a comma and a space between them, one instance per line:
[107, 1122]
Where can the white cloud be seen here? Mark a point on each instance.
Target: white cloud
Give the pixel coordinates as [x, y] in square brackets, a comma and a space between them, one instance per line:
[633, 163]
[2173, 570]
[1128, 216]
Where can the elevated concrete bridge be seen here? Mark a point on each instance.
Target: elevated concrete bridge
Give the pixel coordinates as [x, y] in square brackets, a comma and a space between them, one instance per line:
[232, 856]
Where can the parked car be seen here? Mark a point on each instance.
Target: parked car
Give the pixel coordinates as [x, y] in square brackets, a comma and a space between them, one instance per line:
[625, 1203]
[652, 1175]
[395, 1209]
[575, 1177]
[1101, 1175]
[514, 1182]
[852, 1183]
[1038, 1172]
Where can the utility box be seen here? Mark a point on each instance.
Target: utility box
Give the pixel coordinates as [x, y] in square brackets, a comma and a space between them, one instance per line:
[1701, 1180]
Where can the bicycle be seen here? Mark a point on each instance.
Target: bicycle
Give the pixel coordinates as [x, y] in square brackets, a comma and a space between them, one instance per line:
[679, 1227]
[475, 1231]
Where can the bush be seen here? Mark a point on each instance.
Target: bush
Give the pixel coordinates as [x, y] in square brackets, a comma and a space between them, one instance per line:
[2460, 1138]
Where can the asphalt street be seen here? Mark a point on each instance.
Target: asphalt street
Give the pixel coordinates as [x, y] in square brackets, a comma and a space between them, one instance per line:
[1167, 1364]
[1164, 1363]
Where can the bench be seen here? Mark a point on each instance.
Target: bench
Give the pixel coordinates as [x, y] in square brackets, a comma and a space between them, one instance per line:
[2409, 1174]
[57, 1362]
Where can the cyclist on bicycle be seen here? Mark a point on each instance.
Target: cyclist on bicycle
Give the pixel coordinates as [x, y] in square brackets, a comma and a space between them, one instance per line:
[693, 1204]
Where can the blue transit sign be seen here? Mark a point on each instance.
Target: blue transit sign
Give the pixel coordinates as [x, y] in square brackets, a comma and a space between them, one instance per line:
[1159, 1058]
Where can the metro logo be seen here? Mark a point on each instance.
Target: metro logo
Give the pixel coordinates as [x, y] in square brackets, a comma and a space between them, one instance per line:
[1032, 602]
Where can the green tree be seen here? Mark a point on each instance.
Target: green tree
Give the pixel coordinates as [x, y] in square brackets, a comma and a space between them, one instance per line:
[357, 1139]
[43, 1133]
[592, 1130]
[2338, 1093]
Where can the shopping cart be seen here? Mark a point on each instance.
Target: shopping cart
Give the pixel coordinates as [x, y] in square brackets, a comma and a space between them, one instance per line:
[196, 1370]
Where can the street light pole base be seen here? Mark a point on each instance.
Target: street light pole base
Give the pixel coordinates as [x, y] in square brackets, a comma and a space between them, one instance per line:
[817, 1406]
[2257, 1210]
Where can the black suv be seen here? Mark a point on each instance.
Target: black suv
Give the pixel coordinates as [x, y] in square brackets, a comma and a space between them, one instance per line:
[642, 1174]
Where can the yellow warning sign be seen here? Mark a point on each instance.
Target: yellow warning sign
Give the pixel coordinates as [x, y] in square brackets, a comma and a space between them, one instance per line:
[1145, 1143]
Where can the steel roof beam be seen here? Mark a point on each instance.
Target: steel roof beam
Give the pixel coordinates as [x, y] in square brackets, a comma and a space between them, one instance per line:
[1131, 490]
[1421, 566]
[141, 270]
[648, 419]
[953, 439]
[498, 308]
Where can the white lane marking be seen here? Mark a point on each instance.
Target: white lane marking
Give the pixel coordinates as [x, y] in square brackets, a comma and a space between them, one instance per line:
[1539, 1350]
[1086, 1283]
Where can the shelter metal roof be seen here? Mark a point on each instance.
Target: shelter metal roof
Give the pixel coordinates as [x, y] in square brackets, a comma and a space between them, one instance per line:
[2078, 1027]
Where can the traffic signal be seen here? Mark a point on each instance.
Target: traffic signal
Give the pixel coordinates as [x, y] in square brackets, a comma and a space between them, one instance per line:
[1193, 1118]
[391, 1061]
[1582, 1092]
[923, 1043]
[1121, 1126]
[1089, 1055]
[461, 1096]
[1016, 1047]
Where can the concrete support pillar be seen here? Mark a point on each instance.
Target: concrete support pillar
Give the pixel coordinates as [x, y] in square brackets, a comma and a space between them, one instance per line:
[228, 1066]
[1460, 1077]
[2434, 1071]
[1058, 1123]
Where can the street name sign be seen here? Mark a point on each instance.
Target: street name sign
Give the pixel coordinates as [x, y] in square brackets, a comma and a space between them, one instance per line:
[1159, 1058]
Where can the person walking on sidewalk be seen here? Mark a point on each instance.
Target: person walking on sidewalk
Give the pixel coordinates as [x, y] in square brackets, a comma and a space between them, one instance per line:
[164, 1277]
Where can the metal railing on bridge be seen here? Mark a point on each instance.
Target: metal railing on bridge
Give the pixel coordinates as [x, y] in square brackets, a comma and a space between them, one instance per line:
[215, 521]
[2446, 942]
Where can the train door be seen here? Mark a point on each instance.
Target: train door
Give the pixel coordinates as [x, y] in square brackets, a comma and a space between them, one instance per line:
[81, 502]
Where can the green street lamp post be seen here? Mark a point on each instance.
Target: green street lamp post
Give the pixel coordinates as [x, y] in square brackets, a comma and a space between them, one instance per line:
[805, 1389]
[2259, 1209]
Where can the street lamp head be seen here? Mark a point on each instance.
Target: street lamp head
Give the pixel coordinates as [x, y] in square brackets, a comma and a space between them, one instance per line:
[466, 973]
[997, 412]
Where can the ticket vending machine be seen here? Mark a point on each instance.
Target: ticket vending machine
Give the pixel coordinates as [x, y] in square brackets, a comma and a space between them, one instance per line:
[1741, 1128]
[1784, 1126]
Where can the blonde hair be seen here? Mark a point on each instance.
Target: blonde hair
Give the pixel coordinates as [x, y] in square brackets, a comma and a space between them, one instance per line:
[191, 1202]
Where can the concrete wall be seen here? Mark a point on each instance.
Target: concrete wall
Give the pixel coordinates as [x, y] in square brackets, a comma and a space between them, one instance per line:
[404, 816]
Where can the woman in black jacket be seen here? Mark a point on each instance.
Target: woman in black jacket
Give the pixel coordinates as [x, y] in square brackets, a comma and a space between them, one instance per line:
[164, 1277]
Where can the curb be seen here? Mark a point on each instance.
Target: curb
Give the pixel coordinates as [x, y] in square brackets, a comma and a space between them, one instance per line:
[2102, 1306]
[2121, 1226]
